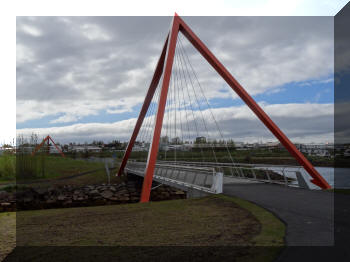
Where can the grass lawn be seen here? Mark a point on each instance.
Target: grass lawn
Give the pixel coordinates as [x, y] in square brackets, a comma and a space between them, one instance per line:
[209, 223]
[60, 167]
[7, 167]
[7, 233]
[96, 177]
[56, 168]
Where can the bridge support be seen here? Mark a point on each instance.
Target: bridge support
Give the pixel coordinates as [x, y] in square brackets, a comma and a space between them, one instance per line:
[153, 152]
[151, 90]
[166, 60]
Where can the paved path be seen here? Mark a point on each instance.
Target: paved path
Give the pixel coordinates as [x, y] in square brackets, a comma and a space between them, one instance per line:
[237, 180]
[307, 213]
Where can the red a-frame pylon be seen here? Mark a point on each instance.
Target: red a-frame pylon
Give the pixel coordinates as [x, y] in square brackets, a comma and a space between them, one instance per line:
[47, 139]
[164, 65]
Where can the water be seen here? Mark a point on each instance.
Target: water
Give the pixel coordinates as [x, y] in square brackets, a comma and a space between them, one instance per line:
[338, 177]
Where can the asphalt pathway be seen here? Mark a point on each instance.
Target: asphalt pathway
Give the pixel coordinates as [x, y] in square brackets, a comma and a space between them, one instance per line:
[308, 214]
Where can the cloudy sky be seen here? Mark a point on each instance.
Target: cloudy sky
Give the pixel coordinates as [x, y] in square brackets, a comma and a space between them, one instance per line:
[85, 78]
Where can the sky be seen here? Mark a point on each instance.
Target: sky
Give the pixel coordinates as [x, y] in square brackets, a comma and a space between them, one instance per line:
[85, 78]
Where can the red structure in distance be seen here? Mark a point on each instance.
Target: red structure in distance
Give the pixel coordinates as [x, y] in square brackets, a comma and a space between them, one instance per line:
[164, 66]
[47, 140]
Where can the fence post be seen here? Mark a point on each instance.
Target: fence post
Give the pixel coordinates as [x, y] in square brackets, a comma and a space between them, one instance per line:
[267, 174]
[285, 177]
[301, 181]
[107, 171]
[254, 175]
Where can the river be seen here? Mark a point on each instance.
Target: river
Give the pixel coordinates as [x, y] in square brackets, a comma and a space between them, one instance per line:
[338, 177]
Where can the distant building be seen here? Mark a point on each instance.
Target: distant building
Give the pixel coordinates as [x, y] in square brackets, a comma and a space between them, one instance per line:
[6, 149]
[25, 149]
[321, 152]
[316, 149]
[176, 141]
[251, 146]
[201, 140]
[182, 147]
[271, 145]
[164, 140]
[347, 152]
[164, 147]
[53, 149]
[84, 148]
[239, 144]
[139, 148]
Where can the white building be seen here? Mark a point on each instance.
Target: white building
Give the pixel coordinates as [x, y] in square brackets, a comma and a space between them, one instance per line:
[85, 148]
[316, 149]
[347, 152]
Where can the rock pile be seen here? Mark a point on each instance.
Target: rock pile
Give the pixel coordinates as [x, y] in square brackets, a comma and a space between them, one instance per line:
[90, 195]
[7, 201]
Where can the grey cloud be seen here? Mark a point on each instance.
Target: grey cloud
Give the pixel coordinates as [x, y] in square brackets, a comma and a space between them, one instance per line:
[300, 122]
[64, 72]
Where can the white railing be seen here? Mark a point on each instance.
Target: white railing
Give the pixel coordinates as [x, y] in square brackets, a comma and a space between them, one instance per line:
[205, 179]
[294, 176]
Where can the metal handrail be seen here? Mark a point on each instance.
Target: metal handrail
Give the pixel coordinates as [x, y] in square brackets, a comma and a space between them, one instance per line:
[211, 167]
[171, 173]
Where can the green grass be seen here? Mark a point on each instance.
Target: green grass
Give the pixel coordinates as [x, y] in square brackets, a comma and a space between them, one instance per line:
[206, 221]
[7, 167]
[56, 166]
[213, 223]
[7, 233]
[271, 238]
[53, 170]
[273, 230]
[59, 166]
[98, 177]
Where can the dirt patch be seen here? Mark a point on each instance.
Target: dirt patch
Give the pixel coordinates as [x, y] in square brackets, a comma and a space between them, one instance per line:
[192, 222]
[215, 228]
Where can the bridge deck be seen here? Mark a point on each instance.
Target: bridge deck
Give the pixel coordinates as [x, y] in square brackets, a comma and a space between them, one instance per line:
[204, 179]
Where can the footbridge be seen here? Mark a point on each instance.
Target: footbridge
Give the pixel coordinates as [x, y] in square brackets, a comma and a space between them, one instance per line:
[182, 140]
[210, 177]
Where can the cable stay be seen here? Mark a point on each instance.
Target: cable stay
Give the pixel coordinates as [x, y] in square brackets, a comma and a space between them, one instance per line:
[186, 135]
